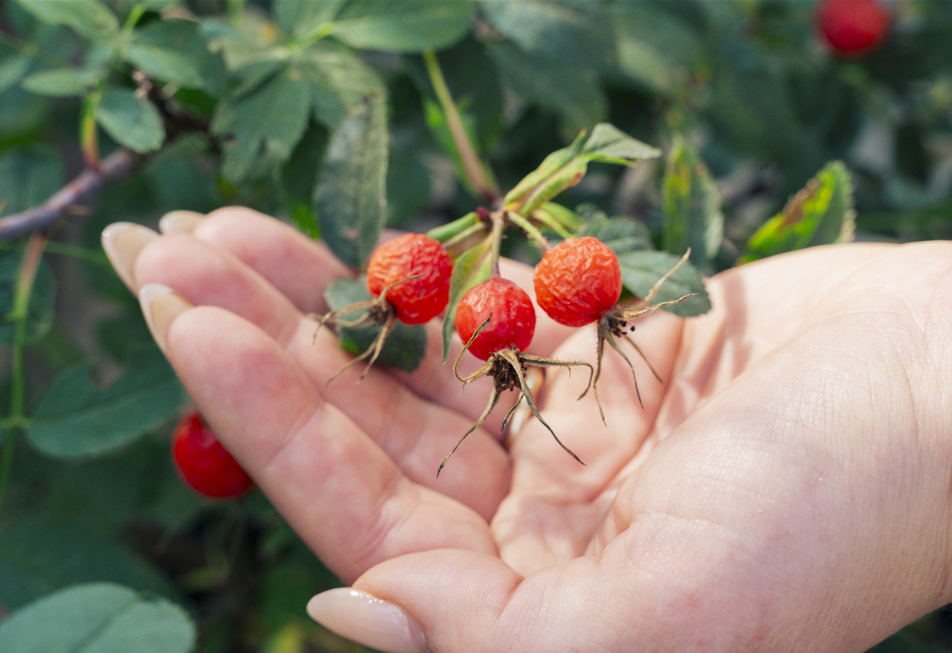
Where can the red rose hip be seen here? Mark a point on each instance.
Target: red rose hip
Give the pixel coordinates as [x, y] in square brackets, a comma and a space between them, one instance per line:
[577, 281]
[852, 27]
[204, 464]
[513, 317]
[417, 300]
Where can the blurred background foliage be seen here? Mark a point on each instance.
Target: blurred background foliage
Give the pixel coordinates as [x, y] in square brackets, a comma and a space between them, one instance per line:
[160, 105]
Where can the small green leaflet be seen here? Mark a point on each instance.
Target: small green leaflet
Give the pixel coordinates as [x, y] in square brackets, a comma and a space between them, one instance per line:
[640, 269]
[403, 350]
[130, 121]
[98, 617]
[691, 206]
[91, 18]
[471, 268]
[820, 214]
[351, 195]
[403, 25]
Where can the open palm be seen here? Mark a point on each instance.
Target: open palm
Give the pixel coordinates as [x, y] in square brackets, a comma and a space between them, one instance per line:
[785, 488]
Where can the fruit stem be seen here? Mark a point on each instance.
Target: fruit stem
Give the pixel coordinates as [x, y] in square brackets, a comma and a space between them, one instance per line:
[473, 168]
[447, 232]
[499, 226]
[530, 230]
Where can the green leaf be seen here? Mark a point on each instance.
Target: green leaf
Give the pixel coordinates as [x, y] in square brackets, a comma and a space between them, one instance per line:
[263, 126]
[576, 93]
[130, 121]
[573, 31]
[98, 617]
[403, 25]
[40, 557]
[41, 309]
[75, 419]
[339, 81]
[351, 194]
[640, 270]
[404, 348]
[611, 145]
[621, 234]
[691, 206]
[301, 17]
[175, 51]
[13, 66]
[820, 214]
[28, 177]
[91, 18]
[298, 176]
[61, 82]
[470, 268]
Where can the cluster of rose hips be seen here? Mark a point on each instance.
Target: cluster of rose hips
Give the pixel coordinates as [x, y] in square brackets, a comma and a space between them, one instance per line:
[577, 282]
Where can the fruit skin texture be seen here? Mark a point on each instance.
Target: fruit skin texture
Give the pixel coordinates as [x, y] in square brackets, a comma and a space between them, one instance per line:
[513, 317]
[204, 464]
[577, 281]
[418, 300]
[852, 27]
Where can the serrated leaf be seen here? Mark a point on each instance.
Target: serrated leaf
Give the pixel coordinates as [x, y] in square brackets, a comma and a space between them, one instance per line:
[75, 419]
[100, 617]
[351, 194]
[640, 270]
[403, 25]
[41, 557]
[691, 206]
[175, 51]
[91, 18]
[130, 121]
[621, 235]
[61, 82]
[470, 268]
[40, 310]
[571, 31]
[339, 81]
[404, 348]
[263, 125]
[611, 145]
[820, 214]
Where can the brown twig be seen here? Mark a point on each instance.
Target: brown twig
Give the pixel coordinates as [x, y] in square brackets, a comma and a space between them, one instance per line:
[117, 165]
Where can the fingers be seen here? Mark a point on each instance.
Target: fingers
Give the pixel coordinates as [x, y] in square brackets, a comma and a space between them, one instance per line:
[340, 491]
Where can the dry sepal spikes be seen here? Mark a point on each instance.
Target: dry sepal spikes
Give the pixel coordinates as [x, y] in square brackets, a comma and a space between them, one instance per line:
[496, 320]
[409, 278]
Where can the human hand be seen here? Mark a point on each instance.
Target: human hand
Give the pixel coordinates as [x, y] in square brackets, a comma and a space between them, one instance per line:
[786, 488]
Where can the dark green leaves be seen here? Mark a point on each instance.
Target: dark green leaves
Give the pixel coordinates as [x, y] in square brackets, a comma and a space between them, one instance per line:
[692, 206]
[130, 121]
[819, 214]
[641, 269]
[39, 316]
[91, 18]
[404, 348]
[403, 25]
[101, 617]
[174, 51]
[76, 419]
[351, 197]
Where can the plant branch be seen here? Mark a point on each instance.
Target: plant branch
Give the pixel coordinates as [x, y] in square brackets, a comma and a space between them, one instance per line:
[481, 184]
[117, 165]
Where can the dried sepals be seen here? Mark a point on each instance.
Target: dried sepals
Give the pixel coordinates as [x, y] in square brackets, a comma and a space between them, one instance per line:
[507, 367]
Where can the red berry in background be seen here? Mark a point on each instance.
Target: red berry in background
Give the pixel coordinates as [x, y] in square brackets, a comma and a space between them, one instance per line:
[204, 464]
[577, 281]
[852, 27]
[513, 317]
[418, 300]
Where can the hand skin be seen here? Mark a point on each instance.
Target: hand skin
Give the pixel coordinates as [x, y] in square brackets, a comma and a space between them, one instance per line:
[787, 488]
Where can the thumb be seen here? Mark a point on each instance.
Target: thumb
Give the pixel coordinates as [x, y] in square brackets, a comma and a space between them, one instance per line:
[441, 600]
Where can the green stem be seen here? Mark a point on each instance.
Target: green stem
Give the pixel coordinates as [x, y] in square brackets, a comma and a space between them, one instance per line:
[452, 229]
[530, 230]
[473, 168]
[20, 313]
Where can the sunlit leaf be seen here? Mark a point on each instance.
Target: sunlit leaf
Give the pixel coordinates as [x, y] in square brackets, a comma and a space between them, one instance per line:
[98, 617]
[91, 18]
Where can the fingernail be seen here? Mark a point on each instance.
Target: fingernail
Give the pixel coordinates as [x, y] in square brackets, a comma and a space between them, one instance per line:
[180, 222]
[122, 242]
[367, 620]
[160, 306]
